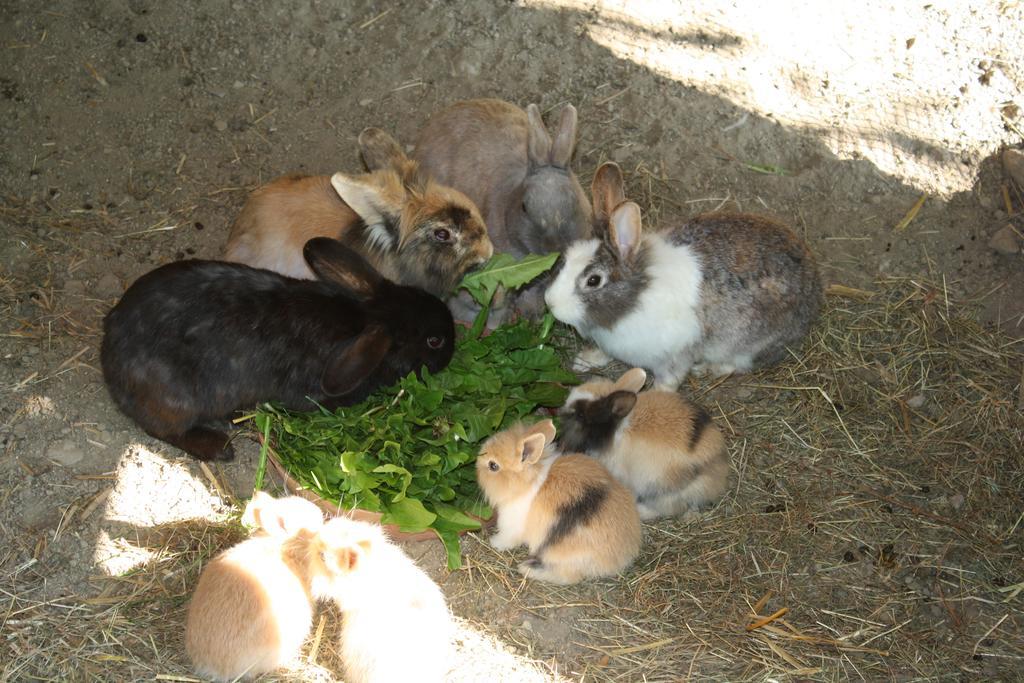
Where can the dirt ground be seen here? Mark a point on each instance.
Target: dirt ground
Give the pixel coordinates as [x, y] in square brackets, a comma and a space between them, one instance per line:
[133, 129]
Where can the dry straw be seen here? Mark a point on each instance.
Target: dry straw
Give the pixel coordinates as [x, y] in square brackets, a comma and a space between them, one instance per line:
[873, 531]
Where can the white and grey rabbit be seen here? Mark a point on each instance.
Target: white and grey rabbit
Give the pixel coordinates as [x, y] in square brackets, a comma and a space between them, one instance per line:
[396, 624]
[726, 292]
[666, 449]
[519, 175]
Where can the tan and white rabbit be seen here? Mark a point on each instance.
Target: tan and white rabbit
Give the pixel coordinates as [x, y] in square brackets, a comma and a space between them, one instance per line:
[667, 450]
[575, 518]
[727, 292]
[396, 623]
[253, 606]
[412, 229]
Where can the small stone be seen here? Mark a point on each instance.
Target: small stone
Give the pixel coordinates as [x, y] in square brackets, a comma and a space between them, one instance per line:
[238, 85]
[1013, 164]
[1005, 240]
[365, 102]
[74, 287]
[744, 393]
[220, 125]
[109, 286]
[916, 402]
[986, 203]
[65, 452]
[956, 501]
[526, 625]
[621, 154]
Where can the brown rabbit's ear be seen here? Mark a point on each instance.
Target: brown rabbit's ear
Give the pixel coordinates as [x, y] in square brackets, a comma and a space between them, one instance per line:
[621, 403]
[255, 511]
[631, 380]
[532, 445]
[538, 147]
[624, 231]
[353, 364]
[380, 150]
[565, 138]
[378, 211]
[607, 190]
[333, 262]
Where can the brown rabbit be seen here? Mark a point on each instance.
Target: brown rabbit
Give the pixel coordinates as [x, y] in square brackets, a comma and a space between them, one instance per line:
[666, 449]
[413, 230]
[253, 606]
[576, 519]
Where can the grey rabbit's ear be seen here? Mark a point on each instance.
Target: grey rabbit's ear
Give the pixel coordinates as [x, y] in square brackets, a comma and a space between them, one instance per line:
[538, 147]
[624, 231]
[333, 262]
[607, 191]
[380, 150]
[565, 138]
[354, 363]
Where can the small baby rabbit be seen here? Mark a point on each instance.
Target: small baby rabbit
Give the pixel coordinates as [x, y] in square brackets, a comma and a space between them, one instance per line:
[728, 292]
[412, 229]
[253, 606]
[193, 341]
[667, 450]
[576, 519]
[388, 602]
[505, 161]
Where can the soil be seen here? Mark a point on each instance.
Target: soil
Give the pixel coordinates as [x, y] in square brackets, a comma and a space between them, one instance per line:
[133, 129]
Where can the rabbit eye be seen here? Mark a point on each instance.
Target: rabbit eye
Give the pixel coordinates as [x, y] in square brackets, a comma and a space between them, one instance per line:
[594, 281]
[492, 466]
[442, 235]
[435, 342]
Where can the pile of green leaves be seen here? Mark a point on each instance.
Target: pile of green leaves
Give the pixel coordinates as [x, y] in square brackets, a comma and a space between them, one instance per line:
[409, 451]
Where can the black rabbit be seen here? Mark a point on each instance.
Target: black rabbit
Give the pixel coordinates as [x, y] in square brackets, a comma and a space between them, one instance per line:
[193, 341]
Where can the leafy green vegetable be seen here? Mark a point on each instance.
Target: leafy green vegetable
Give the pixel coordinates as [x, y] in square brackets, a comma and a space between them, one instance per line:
[507, 271]
[409, 451]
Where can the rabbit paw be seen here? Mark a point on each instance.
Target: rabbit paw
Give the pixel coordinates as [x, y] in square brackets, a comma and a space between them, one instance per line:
[500, 541]
[591, 358]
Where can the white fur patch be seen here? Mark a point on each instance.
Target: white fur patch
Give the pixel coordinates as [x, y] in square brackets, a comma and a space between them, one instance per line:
[665, 322]
[561, 296]
[378, 237]
[512, 516]
[577, 394]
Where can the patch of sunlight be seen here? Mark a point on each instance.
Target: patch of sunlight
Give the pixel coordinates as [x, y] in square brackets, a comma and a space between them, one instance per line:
[877, 81]
[149, 491]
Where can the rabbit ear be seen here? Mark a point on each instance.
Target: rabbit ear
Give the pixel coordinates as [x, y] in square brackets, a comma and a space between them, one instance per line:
[565, 138]
[632, 380]
[606, 190]
[369, 202]
[256, 511]
[532, 446]
[380, 150]
[624, 231]
[333, 262]
[621, 403]
[353, 364]
[538, 141]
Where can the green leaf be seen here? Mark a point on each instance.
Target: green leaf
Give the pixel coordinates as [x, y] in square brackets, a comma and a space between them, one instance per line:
[409, 516]
[503, 269]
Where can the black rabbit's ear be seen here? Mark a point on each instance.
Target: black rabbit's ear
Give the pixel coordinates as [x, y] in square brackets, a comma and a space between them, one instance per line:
[356, 361]
[380, 150]
[606, 191]
[333, 262]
